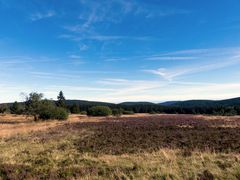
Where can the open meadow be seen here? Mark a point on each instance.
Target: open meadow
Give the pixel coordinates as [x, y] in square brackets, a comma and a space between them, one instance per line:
[139, 146]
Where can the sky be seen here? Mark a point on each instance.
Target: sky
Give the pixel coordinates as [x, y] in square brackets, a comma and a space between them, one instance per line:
[120, 50]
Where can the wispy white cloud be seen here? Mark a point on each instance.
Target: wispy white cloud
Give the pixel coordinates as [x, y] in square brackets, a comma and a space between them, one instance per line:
[158, 91]
[59, 76]
[96, 13]
[212, 59]
[8, 61]
[119, 90]
[83, 47]
[82, 37]
[40, 15]
[162, 58]
[211, 52]
[125, 86]
[74, 56]
[80, 88]
[67, 75]
[115, 59]
[76, 59]
[164, 12]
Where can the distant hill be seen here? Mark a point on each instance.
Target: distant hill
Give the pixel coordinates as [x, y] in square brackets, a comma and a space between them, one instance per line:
[136, 103]
[186, 104]
[203, 103]
[79, 102]
[88, 103]
[230, 102]
[169, 103]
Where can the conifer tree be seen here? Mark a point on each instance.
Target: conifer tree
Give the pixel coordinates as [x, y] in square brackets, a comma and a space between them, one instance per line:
[61, 100]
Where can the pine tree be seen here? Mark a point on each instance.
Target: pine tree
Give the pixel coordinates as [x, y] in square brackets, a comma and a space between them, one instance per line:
[61, 100]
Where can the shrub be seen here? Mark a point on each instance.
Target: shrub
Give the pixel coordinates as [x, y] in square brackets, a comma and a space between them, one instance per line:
[153, 112]
[83, 112]
[53, 113]
[48, 110]
[75, 109]
[45, 114]
[3, 108]
[128, 112]
[117, 112]
[16, 108]
[99, 111]
[60, 113]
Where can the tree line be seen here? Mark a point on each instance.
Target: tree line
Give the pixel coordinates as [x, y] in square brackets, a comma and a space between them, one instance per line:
[38, 107]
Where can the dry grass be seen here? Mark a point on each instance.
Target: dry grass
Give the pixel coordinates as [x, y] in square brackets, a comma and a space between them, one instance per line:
[132, 147]
[11, 125]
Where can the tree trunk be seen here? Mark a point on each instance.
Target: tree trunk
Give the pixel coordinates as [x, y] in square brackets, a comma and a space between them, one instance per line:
[35, 117]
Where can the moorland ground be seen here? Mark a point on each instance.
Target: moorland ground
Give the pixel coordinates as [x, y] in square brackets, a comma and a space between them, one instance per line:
[130, 147]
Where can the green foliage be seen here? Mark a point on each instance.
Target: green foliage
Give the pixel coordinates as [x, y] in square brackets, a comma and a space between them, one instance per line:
[61, 100]
[48, 110]
[59, 113]
[117, 112]
[74, 109]
[43, 109]
[33, 104]
[100, 111]
[83, 112]
[16, 108]
[153, 112]
[3, 108]
[128, 112]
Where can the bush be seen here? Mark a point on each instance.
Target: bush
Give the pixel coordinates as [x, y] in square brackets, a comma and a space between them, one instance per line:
[99, 111]
[60, 113]
[3, 108]
[75, 109]
[128, 112]
[117, 112]
[153, 112]
[16, 108]
[83, 112]
[53, 113]
[48, 110]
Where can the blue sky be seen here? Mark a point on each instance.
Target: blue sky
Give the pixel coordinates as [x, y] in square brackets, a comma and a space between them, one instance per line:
[120, 50]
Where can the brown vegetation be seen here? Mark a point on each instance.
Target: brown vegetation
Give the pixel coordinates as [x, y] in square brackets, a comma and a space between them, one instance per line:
[130, 147]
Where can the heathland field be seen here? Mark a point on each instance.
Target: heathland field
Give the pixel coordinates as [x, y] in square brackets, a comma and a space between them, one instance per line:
[130, 147]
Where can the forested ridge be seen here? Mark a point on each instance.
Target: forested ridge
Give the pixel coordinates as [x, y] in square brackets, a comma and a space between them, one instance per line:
[222, 107]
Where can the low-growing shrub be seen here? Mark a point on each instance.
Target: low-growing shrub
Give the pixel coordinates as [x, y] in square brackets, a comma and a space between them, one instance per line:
[16, 108]
[60, 113]
[53, 113]
[74, 109]
[117, 112]
[83, 112]
[99, 111]
[3, 108]
[128, 112]
[49, 111]
[153, 112]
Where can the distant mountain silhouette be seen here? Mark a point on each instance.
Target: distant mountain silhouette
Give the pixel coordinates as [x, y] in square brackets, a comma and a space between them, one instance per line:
[203, 103]
[185, 104]
[169, 103]
[135, 103]
[88, 103]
